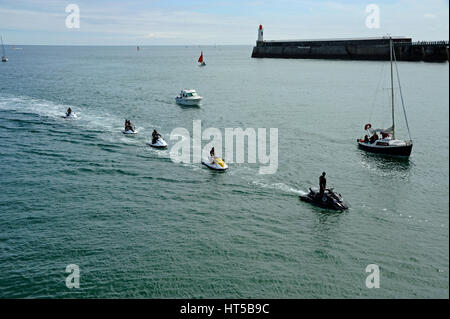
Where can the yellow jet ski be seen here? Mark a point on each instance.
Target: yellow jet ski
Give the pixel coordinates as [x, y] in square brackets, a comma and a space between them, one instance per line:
[215, 163]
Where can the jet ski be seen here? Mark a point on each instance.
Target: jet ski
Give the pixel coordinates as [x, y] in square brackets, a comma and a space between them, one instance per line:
[131, 132]
[329, 199]
[218, 164]
[160, 143]
[70, 116]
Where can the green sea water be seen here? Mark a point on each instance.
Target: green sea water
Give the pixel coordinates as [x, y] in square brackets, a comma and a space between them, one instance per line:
[139, 225]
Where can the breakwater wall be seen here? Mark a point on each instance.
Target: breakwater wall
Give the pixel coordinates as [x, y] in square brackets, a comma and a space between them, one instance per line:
[353, 49]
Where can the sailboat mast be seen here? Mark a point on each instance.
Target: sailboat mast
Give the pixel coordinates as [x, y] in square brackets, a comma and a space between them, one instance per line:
[3, 47]
[392, 87]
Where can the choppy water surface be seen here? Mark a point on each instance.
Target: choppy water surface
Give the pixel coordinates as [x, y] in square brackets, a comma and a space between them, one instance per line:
[140, 225]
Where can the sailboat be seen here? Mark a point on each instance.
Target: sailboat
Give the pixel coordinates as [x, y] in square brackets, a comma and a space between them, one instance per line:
[388, 144]
[4, 58]
[200, 60]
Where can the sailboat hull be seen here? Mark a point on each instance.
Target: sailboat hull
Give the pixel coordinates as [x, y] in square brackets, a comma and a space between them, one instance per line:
[391, 150]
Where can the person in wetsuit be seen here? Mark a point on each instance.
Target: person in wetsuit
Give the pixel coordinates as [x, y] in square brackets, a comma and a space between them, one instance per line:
[322, 183]
[69, 111]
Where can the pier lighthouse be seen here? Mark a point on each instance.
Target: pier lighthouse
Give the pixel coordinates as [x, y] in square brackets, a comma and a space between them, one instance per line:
[260, 33]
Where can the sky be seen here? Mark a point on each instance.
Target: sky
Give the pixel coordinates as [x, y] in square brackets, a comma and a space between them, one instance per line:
[221, 22]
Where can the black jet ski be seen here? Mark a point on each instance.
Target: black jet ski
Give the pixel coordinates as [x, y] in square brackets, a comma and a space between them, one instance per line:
[329, 199]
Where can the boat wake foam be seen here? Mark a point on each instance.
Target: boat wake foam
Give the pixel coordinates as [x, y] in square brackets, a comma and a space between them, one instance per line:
[280, 187]
[24, 104]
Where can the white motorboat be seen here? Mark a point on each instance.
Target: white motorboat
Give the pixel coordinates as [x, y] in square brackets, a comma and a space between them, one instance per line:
[215, 163]
[160, 143]
[188, 97]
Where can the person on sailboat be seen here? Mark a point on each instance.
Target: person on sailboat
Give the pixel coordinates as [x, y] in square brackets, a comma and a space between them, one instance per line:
[322, 183]
[155, 136]
[69, 111]
[374, 138]
[366, 139]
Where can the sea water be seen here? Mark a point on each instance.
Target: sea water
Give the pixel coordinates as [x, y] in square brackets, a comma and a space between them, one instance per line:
[137, 224]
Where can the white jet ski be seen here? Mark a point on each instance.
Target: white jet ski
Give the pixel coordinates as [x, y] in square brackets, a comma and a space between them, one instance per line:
[217, 164]
[160, 143]
[129, 132]
[70, 116]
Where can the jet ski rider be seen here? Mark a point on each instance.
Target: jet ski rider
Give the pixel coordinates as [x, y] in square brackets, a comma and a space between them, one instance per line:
[212, 155]
[155, 136]
[322, 183]
[69, 111]
[128, 126]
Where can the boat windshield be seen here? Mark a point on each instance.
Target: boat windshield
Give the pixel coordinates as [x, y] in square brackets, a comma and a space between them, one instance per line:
[191, 94]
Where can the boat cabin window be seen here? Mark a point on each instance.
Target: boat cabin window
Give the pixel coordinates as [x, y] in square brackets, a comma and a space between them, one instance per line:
[188, 94]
